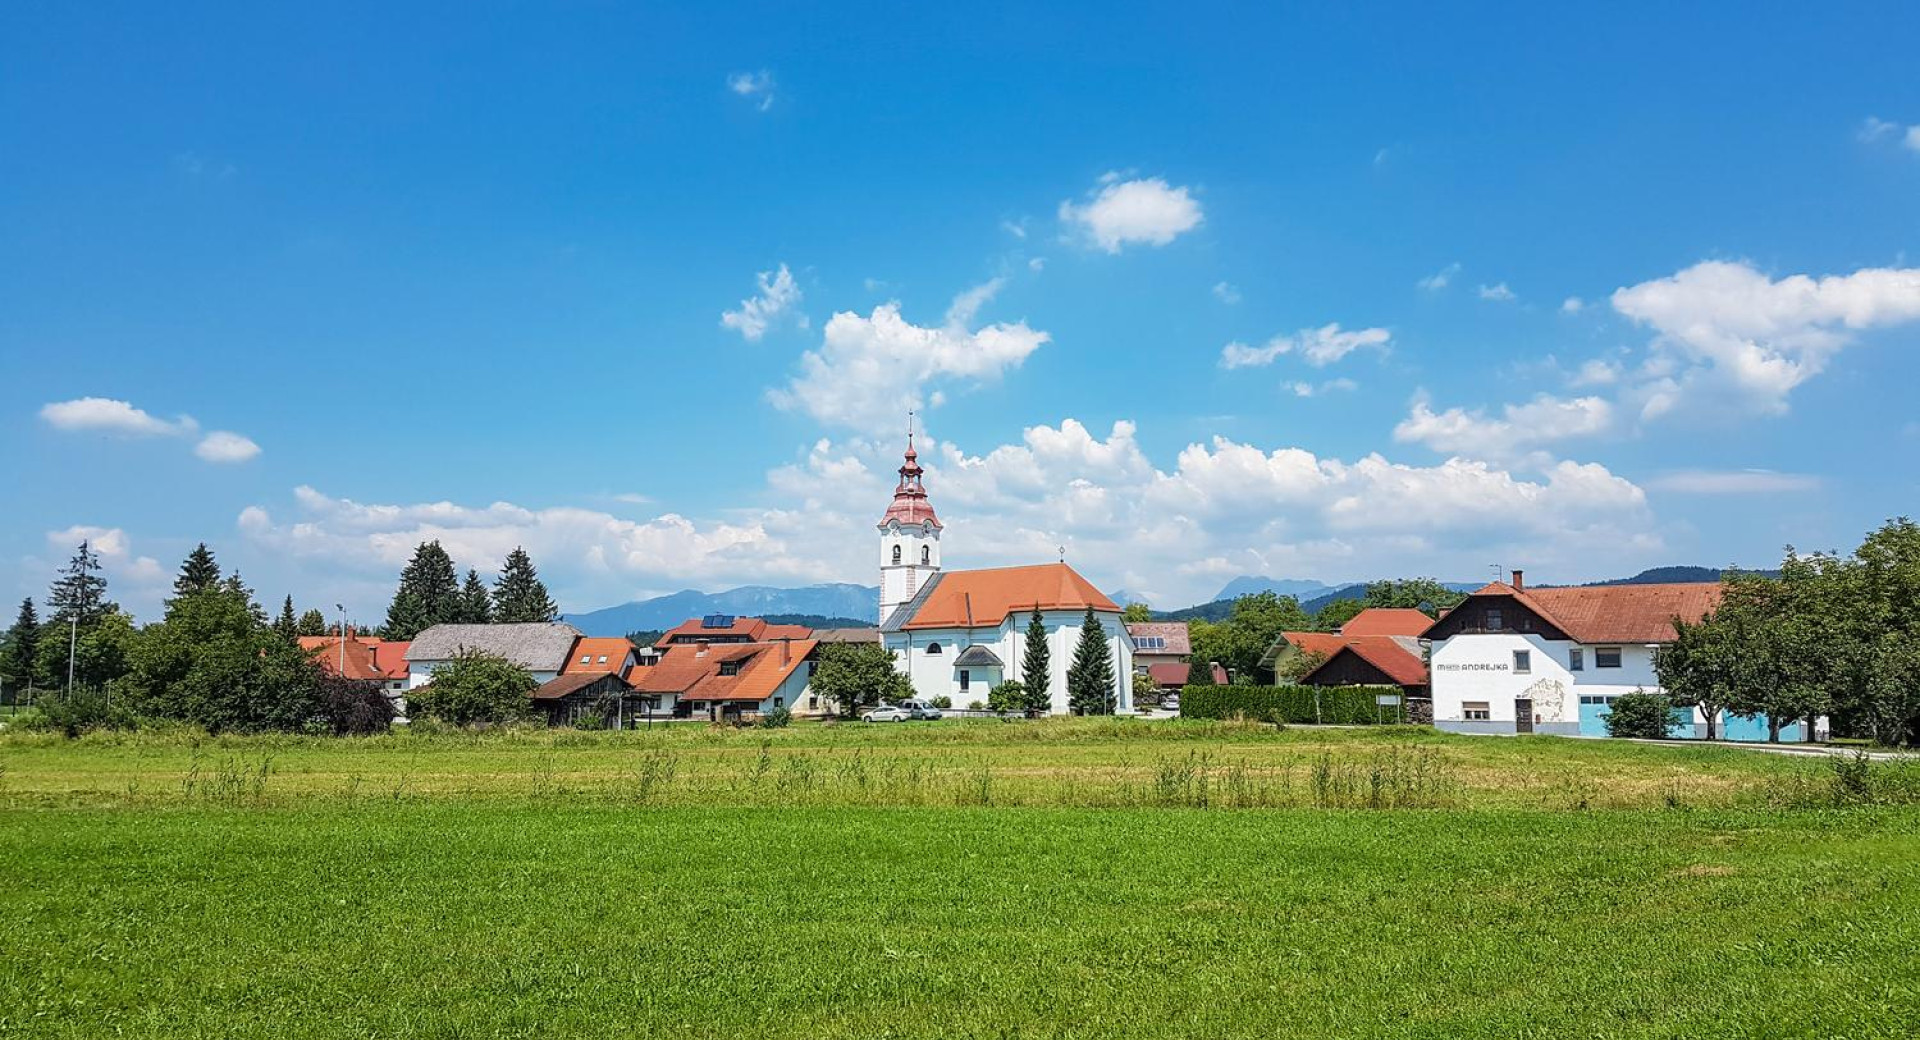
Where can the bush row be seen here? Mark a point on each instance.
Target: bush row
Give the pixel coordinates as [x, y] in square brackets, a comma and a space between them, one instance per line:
[1332, 705]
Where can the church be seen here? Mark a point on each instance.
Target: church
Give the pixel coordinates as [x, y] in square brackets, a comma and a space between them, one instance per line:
[957, 633]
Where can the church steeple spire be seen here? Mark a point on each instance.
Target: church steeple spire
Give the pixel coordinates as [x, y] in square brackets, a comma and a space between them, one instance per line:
[909, 534]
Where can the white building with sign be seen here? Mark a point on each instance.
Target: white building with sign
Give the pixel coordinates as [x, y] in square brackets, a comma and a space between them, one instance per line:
[1516, 660]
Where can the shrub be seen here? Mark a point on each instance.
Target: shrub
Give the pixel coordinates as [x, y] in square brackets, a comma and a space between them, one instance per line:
[1010, 695]
[81, 711]
[1640, 714]
[942, 702]
[354, 708]
[776, 718]
[1332, 705]
[476, 687]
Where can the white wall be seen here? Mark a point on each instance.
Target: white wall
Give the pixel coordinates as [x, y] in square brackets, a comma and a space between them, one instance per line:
[420, 673]
[1479, 667]
[933, 675]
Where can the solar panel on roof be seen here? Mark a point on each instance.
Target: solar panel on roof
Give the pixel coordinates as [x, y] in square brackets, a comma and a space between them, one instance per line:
[717, 621]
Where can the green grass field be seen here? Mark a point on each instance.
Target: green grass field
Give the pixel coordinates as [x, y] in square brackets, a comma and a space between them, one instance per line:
[1056, 879]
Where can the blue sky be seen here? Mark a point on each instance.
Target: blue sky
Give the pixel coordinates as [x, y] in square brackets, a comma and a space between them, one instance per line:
[1193, 292]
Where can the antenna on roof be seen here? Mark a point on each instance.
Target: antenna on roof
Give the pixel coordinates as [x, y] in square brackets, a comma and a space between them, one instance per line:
[1496, 570]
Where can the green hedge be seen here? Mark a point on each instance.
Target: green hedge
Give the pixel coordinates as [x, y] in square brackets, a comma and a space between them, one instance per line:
[1332, 705]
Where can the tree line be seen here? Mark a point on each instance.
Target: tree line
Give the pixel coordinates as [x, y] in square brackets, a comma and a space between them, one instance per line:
[1833, 634]
[430, 593]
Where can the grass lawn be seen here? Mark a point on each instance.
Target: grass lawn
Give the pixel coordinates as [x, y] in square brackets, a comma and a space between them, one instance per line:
[554, 892]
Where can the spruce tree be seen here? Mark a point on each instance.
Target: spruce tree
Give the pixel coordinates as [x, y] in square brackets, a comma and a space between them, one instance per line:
[198, 573]
[312, 623]
[236, 587]
[1200, 671]
[518, 595]
[429, 593]
[286, 625]
[22, 647]
[476, 606]
[1090, 676]
[1036, 666]
[80, 592]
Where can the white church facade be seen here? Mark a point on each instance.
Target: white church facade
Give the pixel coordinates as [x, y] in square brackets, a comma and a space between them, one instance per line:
[957, 633]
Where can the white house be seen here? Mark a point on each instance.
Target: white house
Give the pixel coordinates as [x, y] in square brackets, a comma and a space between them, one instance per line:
[957, 633]
[1516, 660]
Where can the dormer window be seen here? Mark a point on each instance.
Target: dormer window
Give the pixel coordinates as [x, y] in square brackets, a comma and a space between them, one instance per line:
[896, 554]
[729, 668]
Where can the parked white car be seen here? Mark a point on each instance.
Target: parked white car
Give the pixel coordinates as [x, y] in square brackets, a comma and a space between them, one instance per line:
[889, 713]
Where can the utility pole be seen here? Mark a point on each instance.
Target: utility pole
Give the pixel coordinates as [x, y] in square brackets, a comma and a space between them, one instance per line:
[343, 640]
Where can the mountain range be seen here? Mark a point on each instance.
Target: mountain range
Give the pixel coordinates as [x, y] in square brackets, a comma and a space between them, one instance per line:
[841, 600]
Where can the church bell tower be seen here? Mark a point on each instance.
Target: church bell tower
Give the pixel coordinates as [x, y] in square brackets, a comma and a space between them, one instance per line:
[909, 537]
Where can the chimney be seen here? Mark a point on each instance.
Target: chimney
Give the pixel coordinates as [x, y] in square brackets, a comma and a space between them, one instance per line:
[700, 648]
[1519, 580]
[786, 648]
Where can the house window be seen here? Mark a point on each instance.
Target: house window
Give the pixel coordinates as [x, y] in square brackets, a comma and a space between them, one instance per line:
[1475, 711]
[586, 658]
[1494, 621]
[729, 668]
[966, 680]
[813, 703]
[778, 701]
[896, 554]
[1576, 660]
[1522, 662]
[1606, 657]
[933, 649]
[603, 659]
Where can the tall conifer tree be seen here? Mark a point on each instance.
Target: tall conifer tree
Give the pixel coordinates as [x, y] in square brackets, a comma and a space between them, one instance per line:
[476, 605]
[519, 595]
[198, 573]
[1036, 665]
[1090, 676]
[23, 645]
[313, 623]
[429, 593]
[286, 624]
[80, 592]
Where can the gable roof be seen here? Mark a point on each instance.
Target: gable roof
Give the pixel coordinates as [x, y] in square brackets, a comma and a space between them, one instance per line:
[537, 646]
[978, 656]
[365, 658]
[1176, 673]
[693, 675]
[614, 648]
[1614, 613]
[1387, 621]
[1174, 632]
[847, 635]
[742, 630]
[1324, 643]
[984, 598]
[1387, 654]
[560, 686]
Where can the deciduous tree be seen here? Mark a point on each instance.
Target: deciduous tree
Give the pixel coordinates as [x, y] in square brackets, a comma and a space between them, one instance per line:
[852, 676]
[474, 688]
[313, 623]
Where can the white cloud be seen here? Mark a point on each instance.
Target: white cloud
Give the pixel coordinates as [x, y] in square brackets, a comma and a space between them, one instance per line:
[1016, 228]
[1304, 389]
[1125, 212]
[1498, 293]
[1875, 129]
[1226, 292]
[1440, 279]
[755, 86]
[1321, 346]
[1572, 305]
[1727, 335]
[1734, 482]
[117, 557]
[1518, 429]
[778, 295]
[1596, 372]
[112, 416]
[226, 446]
[870, 370]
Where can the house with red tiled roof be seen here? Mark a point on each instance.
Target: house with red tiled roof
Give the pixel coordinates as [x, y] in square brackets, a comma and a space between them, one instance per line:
[727, 628]
[1372, 660]
[1405, 624]
[715, 680]
[361, 658]
[955, 634]
[1514, 659]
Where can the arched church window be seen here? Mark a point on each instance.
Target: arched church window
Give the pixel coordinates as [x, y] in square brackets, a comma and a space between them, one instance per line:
[933, 649]
[926, 554]
[896, 554]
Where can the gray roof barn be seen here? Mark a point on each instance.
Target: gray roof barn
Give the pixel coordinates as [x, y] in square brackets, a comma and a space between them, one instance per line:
[537, 646]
